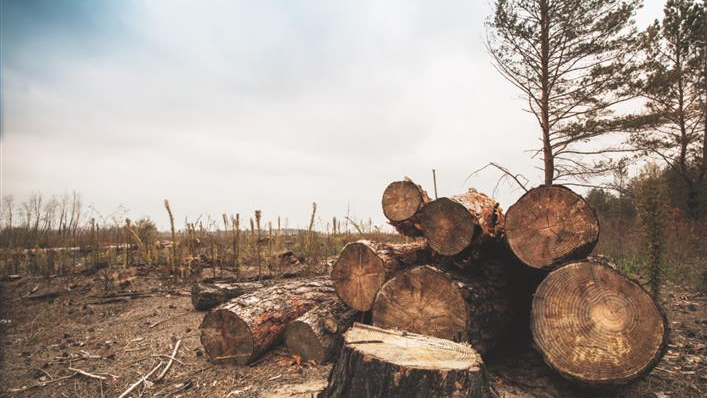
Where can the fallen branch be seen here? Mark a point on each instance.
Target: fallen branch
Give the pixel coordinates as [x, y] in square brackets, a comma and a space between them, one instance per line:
[142, 380]
[87, 374]
[171, 360]
[42, 384]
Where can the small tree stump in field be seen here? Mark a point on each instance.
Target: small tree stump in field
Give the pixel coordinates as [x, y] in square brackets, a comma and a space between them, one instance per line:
[551, 225]
[467, 308]
[596, 326]
[402, 201]
[452, 224]
[382, 363]
[363, 267]
[317, 335]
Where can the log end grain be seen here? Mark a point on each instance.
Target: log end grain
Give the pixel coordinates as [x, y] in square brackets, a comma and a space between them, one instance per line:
[358, 274]
[226, 337]
[448, 226]
[594, 325]
[402, 200]
[551, 225]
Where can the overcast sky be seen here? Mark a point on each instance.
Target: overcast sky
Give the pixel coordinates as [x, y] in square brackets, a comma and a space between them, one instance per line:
[231, 106]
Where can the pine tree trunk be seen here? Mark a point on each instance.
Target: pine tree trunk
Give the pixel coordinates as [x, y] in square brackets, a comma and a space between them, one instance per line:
[453, 224]
[317, 335]
[402, 202]
[549, 226]
[244, 328]
[474, 308]
[379, 363]
[363, 267]
[205, 296]
[595, 326]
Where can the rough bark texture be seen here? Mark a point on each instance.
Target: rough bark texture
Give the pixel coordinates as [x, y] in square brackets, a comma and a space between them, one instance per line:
[453, 224]
[402, 202]
[474, 307]
[594, 325]
[549, 226]
[382, 363]
[317, 335]
[242, 329]
[364, 266]
[205, 296]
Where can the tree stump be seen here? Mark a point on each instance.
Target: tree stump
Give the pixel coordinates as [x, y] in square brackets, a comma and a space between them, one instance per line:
[551, 225]
[205, 296]
[383, 363]
[242, 329]
[402, 201]
[473, 308]
[594, 325]
[317, 335]
[452, 224]
[363, 267]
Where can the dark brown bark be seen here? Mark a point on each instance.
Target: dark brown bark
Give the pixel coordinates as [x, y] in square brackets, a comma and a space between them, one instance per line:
[549, 226]
[451, 225]
[244, 328]
[595, 326]
[382, 363]
[317, 335]
[473, 307]
[205, 296]
[402, 202]
[364, 266]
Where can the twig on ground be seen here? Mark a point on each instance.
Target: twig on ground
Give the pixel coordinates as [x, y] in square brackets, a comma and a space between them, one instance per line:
[140, 381]
[171, 360]
[42, 384]
[169, 319]
[87, 374]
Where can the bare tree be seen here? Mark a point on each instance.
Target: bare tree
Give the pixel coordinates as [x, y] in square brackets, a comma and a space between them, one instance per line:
[569, 58]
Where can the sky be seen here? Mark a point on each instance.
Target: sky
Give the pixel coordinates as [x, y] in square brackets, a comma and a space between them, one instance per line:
[232, 106]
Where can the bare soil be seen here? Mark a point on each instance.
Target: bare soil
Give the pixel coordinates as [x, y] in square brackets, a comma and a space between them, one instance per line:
[120, 334]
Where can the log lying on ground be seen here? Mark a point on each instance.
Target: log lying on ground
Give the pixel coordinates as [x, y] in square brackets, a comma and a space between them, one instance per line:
[474, 308]
[383, 363]
[317, 335]
[594, 325]
[364, 266]
[205, 296]
[452, 224]
[402, 201]
[242, 329]
[549, 226]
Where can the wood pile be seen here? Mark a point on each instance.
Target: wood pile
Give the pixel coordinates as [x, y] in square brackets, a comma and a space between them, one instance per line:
[469, 278]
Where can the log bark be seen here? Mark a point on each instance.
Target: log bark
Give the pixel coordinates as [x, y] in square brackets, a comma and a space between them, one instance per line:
[474, 307]
[244, 328]
[364, 266]
[453, 224]
[550, 226]
[205, 296]
[402, 202]
[317, 335]
[595, 326]
[383, 363]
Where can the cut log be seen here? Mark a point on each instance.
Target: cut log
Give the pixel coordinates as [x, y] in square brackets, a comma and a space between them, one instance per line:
[474, 308]
[364, 266]
[551, 225]
[402, 201]
[594, 325]
[205, 296]
[452, 224]
[317, 335]
[383, 363]
[245, 327]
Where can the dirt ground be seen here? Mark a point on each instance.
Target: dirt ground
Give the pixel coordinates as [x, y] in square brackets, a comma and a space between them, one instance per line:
[120, 335]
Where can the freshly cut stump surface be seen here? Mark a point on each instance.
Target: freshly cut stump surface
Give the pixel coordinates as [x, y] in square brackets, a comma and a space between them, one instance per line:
[244, 328]
[363, 267]
[551, 225]
[452, 224]
[596, 326]
[402, 200]
[474, 308]
[377, 362]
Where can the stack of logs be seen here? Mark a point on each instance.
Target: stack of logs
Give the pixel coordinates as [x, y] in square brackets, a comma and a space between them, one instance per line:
[439, 303]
